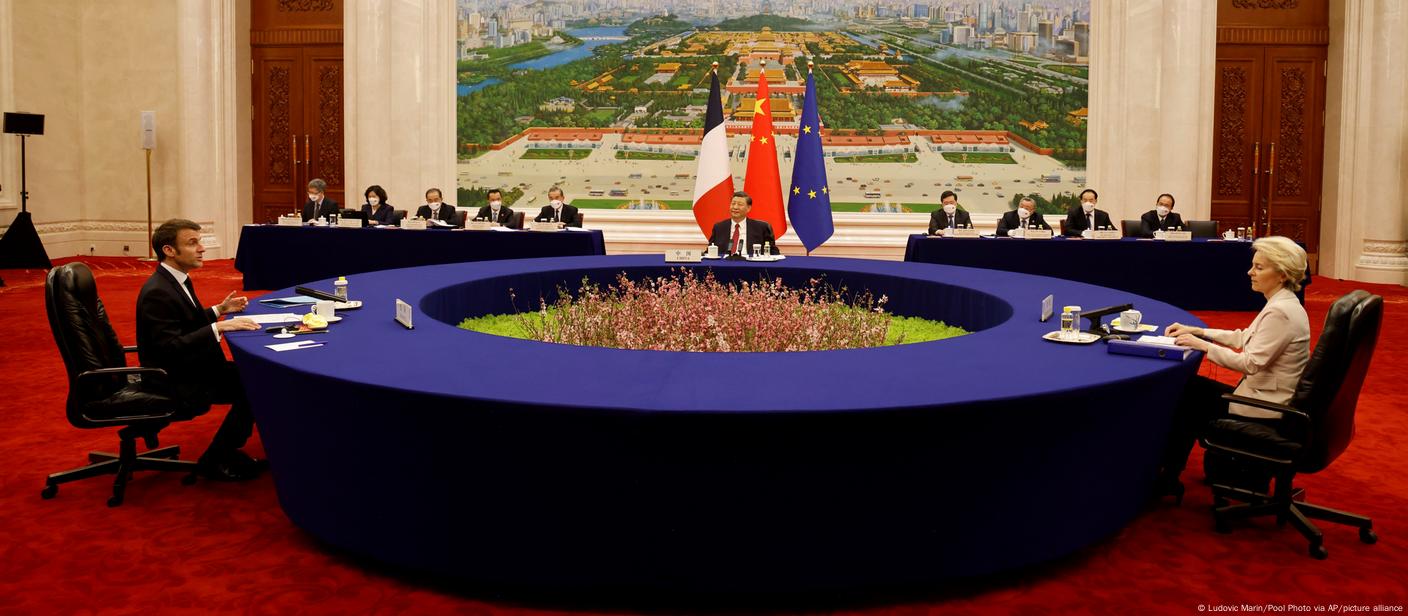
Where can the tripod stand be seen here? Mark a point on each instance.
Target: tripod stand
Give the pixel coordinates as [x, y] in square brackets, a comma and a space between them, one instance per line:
[20, 247]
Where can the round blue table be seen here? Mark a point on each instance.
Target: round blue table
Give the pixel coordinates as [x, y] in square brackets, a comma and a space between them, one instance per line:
[515, 462]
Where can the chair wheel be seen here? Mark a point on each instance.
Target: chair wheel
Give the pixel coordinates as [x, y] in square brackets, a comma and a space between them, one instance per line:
[115, 501]
[188, 480]
[1367, 536]
[51, 490]
[1318, 551]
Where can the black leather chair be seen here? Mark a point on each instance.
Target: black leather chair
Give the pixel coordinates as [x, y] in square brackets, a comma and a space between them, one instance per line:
[397, 216]
[103, 392]
[1203, 228]
[516, 222]
[460, 216]
[1314, 430]
[1132, 228]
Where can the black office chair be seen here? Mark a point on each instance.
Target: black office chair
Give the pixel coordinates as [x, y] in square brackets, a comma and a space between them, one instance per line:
[397, 216]
[460, 216]
[1132, 228]
[1203, 228]
[104, 392]
[581, 219]
[1315, 428]
[516, 222]
[354, 214]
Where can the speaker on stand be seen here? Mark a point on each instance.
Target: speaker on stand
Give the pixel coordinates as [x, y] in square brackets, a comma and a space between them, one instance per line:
[20, 247]
[149, 144]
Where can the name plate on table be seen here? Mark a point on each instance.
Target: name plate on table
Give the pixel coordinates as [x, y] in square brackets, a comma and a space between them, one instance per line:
[1105, 234]
[349, 223]
[963, 232]
[545, 226]
[682, 255]
[403, 314]
[413, 223]
[290, 221]
[479, 225]
[1037, 234]
[1178, 236]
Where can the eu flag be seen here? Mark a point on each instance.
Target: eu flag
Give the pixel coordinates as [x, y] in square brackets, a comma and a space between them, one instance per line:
[809, 197]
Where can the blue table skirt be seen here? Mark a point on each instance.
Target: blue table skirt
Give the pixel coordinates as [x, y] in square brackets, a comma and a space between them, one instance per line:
[507, 461]
[1196, 275]
[271, 256]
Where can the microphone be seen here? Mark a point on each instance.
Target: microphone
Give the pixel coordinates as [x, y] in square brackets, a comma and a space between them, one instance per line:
[1094, 317]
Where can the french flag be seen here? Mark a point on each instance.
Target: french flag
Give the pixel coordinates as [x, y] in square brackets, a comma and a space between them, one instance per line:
[713, 183]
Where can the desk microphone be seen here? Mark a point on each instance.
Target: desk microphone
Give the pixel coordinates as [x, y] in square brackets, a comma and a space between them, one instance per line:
[1094, 316]
[324, 295]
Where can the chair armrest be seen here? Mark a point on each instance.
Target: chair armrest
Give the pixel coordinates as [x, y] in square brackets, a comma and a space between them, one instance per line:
[1294, 415]
[102, 374]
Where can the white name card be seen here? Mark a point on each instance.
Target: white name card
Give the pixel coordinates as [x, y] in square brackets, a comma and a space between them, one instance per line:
[479, 225]
[682, 255]
[413, 223]
[1034, 233]
[349, 223]
[963, 232]
[1178, 236]
[403, 314]
[1105, 234]
[290, 221]
[543, 226]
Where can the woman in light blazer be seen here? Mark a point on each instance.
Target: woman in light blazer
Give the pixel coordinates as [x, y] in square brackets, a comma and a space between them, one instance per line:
[1271, 353]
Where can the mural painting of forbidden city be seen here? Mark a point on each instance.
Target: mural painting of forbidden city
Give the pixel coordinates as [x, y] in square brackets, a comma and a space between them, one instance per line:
[606, 98]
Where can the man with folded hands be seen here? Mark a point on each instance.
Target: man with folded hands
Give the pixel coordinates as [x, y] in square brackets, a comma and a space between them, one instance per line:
[496, 212]
[558, 211]
[1023, 218]
[736, 233]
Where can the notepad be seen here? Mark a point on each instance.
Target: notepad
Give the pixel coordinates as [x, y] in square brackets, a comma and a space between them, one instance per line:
[277, 318]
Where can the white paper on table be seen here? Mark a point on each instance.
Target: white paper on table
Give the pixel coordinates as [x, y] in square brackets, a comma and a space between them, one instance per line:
[274, 319]
[293, 346]
[1165, 340]
[502, 229]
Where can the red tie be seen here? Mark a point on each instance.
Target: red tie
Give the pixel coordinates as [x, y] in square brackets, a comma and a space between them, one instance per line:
[734, 250]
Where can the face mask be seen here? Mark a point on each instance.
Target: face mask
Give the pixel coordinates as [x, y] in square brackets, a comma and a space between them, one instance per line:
[313, 196]
[950, 209]
[1022, 213]
[373, 200]
[1162, 210]
[556, 203]
[1087, 206]
[496, 204]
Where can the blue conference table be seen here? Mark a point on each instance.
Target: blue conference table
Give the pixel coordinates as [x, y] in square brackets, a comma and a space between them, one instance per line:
[521, 463]
[1197, 275]
[271, 256]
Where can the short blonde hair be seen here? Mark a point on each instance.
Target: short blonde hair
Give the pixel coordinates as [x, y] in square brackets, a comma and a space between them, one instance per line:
[1286, 256]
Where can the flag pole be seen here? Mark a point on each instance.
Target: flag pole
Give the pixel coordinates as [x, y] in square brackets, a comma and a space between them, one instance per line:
[810, 64]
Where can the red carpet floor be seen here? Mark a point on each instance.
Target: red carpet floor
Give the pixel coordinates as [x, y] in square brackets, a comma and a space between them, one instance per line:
[227, 548]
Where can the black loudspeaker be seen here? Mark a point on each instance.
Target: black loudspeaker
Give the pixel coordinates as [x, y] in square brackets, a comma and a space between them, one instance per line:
[24, 123]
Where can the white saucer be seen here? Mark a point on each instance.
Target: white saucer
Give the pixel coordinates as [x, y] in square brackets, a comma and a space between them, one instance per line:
[352, 305]
[283, 336]
[1135, 330]
[333, 319]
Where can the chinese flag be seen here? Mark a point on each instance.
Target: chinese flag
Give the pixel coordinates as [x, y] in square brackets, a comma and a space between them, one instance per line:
[763, 182]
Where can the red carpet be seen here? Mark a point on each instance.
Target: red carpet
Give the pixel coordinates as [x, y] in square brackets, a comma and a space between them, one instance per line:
[227, 548]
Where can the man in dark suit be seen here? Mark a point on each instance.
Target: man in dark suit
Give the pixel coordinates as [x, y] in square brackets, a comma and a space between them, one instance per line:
[735, 234]
[1081, 220]
[1161, 218]
[496, 211]
[179, 335]
[319, 205]
[1025, 216]
[949, 216]
[436, 208]
[565, 214]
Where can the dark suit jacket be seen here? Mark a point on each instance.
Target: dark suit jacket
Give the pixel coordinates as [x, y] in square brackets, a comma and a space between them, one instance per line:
[939, 220]
[383, 214]
[487, 213]
[1149, 222]
[172, 333]
[328, 208]
[444, 213]
[569, 215]
[759, 231]
[1010, 221]
[1075, 221]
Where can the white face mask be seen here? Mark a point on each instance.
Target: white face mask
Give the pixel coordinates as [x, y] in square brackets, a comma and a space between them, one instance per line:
[315, 197]
[496, 204]
[373, 200]
[950, 208]
[1088, 206]
[1161, 209]
[1022, 213]
[556, 203]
